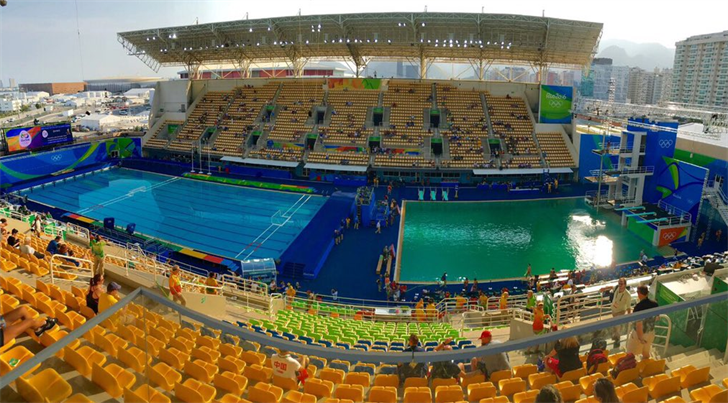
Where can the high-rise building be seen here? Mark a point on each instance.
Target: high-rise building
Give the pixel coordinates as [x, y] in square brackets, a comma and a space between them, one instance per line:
[700, 72]
[13, 84]
[608, 82]
[648, 88]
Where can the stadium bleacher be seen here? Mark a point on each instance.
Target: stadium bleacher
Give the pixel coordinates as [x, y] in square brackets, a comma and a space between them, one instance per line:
[295, 100]
[555, 151]
[339, 158]
[512, 123]
[207, 114]
[407, 102]
[347, 124]
[467, 127]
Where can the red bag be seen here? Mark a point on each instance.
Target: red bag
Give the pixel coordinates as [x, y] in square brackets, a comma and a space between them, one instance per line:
[302, 375]
[624, 363]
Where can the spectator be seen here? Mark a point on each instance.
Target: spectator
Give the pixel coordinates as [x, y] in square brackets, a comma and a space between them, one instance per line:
[95, 289]
[14, 239]
[285, 366]
[175, 286]
[26, 249]
[3, 226]
[52, 247]
[334, 294]
[110, 297]
[530, 301]
[415, 370]
[641, 338]
[621, 304]
[37, 227]
[447, 369]
[17, 321]
[604, 391]
[504, 301]
[97, 249]
[549, 394]
[490, 363]
[564, 357]
[212, 284]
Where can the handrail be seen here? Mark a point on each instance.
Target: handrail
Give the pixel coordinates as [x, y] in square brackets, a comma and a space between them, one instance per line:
[76, 271]
[668, 332]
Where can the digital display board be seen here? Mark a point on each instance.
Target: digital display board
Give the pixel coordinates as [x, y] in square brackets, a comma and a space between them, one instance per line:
[32, 138]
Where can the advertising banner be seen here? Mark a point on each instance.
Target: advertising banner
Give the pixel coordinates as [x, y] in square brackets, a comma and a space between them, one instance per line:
[589, 161]
[354, 83]
[31, 138]
[555, 104]
[681, 185]
[35, 166]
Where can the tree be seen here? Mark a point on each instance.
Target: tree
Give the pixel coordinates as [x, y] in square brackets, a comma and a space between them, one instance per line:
[25, 108]
[38, 105]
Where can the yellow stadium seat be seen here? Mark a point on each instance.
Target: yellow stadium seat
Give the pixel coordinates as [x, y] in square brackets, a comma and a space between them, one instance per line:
[649, 367]
[182, 344]
[417, 394]
[78, 398]
[628, 375]
[448, 394]
[144, 394]
[358, 378]
[113, 379]
[48, 338]
[110, 343]
[335, 376]
[573, 376]
[613, 358]
[443, 382]
[285, 383]
[637, 395]
[497, 399]
[590, 399]
[497, 376]
[295, 396]
[510, 386]
[201, 370]
[383, 394]
[471, 379]
[674, 399]
[258, 373]
[528, 396]
[318, 387]
[7, 266]
[352, 392]
[478, 391]
[194, 391]
[231, 382]
[264, 392]
[587, 382]
[164, 376]
[46, 386]
[154, 345]
[227, 349]
[232, 364]
[523, 371]
[252, 357]
[173, 357]
[135, 359]
[696, 377]
[206, 354]
[208, 341]
[83, 358]
[725, 382]
[87, 312]
[17, 355]
[416, 382]
[386, 380]
[569, 391]
[161, 333]
[230, 398]
[706, 393]
[661, 385]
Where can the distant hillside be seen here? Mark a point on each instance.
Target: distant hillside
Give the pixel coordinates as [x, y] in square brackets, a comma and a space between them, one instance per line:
[644, 55]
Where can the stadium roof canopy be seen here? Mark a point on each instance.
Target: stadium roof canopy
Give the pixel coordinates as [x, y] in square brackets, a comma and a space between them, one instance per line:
[481, 39]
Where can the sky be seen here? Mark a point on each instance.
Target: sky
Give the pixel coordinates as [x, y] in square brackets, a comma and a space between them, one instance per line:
[75, 40]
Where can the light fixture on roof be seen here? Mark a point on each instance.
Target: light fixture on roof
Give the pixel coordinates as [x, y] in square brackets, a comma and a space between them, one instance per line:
[306, 41]
[389, 41]
[423, 24]
[268, 27]
[250, 30]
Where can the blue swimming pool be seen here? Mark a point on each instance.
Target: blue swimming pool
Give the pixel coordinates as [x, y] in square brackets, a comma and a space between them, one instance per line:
[220, 219]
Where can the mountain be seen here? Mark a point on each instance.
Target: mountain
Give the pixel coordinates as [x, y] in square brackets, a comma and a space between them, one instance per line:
[643, 55]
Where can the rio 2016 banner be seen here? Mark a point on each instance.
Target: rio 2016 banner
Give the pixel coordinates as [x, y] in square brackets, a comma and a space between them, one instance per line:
[32, 138]
[28, 167]
[555, 106]
[681, 185]
[354, 83]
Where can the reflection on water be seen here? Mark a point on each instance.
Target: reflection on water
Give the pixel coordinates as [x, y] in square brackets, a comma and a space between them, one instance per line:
[588, 246]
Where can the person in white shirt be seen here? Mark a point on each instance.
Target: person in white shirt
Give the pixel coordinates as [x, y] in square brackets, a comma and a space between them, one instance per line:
[621, 305]
[286, 366]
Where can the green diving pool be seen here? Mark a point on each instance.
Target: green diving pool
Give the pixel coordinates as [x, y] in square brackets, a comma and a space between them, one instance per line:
[497, 240]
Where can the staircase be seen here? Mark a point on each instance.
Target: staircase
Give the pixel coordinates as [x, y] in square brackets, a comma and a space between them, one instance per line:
[487, 115]
[434, 96]
[714, 193]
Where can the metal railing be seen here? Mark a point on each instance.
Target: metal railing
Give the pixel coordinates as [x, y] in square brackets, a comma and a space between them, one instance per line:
[63, 267]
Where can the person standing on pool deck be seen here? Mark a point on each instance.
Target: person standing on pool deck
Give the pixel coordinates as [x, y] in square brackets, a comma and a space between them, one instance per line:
[528, 272]
[444, 279]
[97, 249]
[379, 227]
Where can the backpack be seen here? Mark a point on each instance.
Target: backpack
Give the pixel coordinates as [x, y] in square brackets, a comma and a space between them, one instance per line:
[595, 357]
[624, 363]
[598, 344]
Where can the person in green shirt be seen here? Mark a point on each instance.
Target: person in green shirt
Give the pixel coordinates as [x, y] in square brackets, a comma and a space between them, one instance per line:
[97, 249]
[530, 301]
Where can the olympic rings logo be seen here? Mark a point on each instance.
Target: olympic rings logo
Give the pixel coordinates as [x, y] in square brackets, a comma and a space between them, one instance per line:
[56, 158]
[669, 236]
[665, 143]
[555, 103]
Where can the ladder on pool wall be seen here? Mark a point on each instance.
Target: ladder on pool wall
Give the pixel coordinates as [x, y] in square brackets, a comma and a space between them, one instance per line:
[277, 220]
